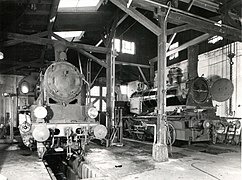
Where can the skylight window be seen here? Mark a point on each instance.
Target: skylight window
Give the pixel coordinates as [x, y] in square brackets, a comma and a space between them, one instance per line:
[215, 39]
[70, 35]
[79, 5]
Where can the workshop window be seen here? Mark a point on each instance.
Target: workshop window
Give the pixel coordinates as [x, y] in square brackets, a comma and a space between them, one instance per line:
[124, 46]
[128, 47]
[95, 91]
[173, 46]
[117, 45]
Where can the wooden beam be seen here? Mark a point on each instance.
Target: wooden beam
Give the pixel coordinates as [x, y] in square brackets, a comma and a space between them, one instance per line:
[137, 16]
[52, 17]
[97, 60]
[14, 42]
[122, 20]
[207, 26]
[197, 22]
[131, 64]
[142, 74]
[83, 52]
[205, 4]
[178, 29]
[194, 41]
[189, 43]
[44, 41]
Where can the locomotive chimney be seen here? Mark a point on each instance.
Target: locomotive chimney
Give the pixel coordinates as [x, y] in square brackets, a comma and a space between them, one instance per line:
[60, 52]
[193, 61]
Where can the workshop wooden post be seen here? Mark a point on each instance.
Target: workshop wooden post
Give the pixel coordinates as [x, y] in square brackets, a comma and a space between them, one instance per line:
[159, 151]
[110, 84]
[192, 53]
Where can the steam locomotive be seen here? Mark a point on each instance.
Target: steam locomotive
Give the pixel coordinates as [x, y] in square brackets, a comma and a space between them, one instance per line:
[58, 120]
[191, 115]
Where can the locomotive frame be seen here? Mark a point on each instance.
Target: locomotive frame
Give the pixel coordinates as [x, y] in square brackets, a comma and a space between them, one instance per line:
[190, 113]
[59, 119]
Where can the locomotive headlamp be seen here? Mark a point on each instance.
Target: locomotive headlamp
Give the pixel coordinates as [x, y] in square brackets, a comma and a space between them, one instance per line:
[100, 131]
[40, 112]
[41, 133]
[92, 112]
[24, 87]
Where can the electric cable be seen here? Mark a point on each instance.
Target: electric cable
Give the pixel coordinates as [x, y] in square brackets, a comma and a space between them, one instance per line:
[193, 165]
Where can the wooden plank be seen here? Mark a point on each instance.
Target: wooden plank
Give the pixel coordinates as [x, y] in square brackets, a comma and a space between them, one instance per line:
[14, 42]
[44, 41]
[137, 16]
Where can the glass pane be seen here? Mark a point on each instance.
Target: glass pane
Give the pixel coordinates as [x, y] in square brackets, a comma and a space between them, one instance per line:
[103, 106]
[104, 91]
[95, 91]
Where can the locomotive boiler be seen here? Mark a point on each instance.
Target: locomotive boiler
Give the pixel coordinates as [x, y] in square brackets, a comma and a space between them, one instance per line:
[58, 120]
[191, 115]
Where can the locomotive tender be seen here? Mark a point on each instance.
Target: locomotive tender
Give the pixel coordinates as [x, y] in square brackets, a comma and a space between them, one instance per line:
[191, 115]
[58, 120]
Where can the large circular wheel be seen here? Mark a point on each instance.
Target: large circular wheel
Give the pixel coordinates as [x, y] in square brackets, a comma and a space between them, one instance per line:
[171, 134]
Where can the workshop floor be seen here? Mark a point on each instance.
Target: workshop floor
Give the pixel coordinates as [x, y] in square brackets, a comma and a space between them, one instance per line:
[199, 162]
[134, 161]
[20, 164]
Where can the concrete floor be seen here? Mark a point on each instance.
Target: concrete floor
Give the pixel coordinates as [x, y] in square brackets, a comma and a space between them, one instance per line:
[19, 164]
[199, 162]
[134, 161]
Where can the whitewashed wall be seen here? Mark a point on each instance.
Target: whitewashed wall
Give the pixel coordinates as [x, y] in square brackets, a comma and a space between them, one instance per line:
[217, 63]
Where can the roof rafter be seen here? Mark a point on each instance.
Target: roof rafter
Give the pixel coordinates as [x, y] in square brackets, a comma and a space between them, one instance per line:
[85, 53]
[194, 41]
[197, 22]
[44, 41]
[137, 16]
